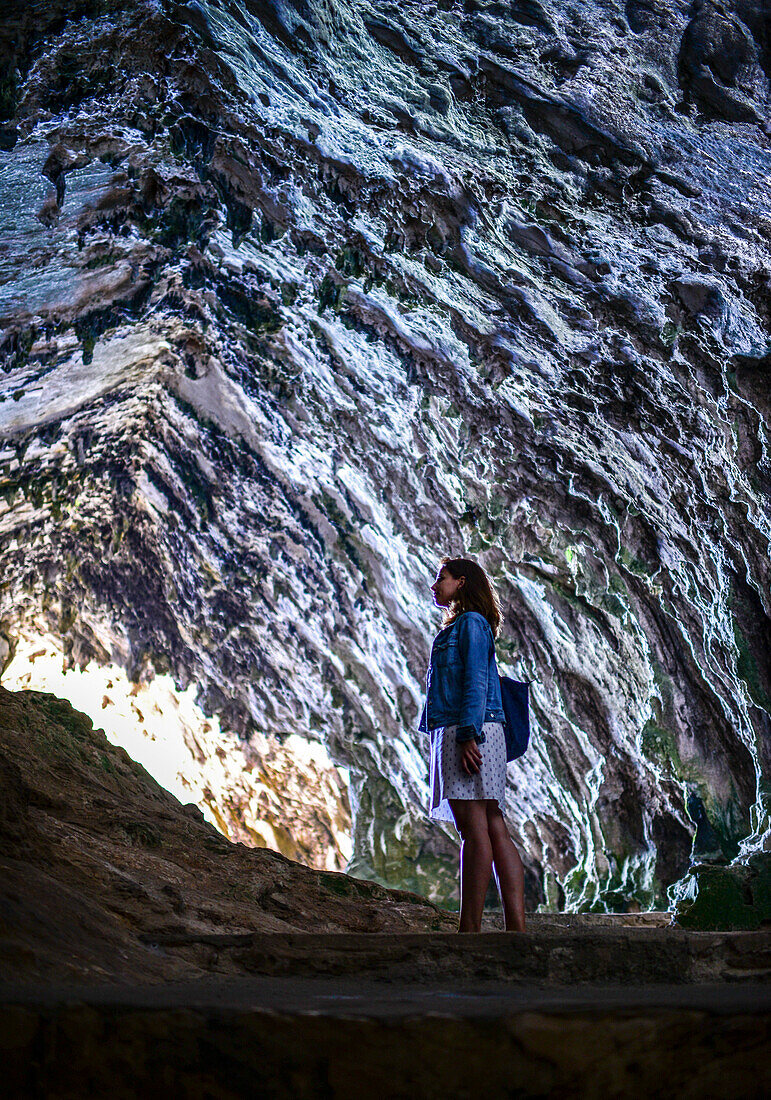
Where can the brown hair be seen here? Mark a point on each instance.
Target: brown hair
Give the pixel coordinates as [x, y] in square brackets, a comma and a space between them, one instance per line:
[475, 594]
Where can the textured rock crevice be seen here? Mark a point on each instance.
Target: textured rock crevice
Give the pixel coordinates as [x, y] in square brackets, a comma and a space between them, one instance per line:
[298, 296]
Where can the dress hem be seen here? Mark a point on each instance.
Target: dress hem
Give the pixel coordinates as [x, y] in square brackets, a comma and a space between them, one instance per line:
[447, 781]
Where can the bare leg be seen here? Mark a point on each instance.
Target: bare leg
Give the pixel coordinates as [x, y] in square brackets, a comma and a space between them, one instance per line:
[476, 860]
[508, 869]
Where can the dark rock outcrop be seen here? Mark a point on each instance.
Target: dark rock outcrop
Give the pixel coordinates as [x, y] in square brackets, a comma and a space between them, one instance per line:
[736, 897]
[98, 864]
[297, 296]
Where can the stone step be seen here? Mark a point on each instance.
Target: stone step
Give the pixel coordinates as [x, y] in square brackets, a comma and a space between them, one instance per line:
[493, 921]
[346, 1038]
[588, 953]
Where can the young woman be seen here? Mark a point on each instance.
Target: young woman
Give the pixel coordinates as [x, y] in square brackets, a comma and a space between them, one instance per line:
[463, 716]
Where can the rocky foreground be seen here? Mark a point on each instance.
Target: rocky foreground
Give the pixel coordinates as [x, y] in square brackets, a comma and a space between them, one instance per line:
[346, 1038]
[140, 946]
[98, 863]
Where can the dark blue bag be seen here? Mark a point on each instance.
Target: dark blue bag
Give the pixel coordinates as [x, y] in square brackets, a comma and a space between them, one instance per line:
[515, 696]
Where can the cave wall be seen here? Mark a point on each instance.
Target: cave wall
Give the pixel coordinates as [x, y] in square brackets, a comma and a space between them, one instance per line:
[297, 297]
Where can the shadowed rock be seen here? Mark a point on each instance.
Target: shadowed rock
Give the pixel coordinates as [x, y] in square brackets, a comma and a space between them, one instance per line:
[98, 861]
[296, 296]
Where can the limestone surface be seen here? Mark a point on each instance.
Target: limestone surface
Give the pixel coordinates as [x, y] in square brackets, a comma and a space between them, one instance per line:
[297, 296]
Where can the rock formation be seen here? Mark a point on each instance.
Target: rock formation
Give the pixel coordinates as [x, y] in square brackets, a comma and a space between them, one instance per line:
[98, 862]
[299, 295]
[285, 795]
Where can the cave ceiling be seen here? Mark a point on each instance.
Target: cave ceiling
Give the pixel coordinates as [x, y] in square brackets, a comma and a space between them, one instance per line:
[298, 296]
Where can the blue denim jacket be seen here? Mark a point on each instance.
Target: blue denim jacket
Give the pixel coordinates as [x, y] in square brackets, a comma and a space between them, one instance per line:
[462, 685]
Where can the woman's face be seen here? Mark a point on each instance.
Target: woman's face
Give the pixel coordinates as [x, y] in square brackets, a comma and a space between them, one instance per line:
[445, 587]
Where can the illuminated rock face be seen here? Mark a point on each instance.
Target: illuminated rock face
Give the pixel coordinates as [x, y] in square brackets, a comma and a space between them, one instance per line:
[299, 296]
[265, 793]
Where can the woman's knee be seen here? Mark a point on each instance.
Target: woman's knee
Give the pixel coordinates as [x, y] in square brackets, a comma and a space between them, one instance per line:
[493, 808]
[496, 824]
[470, 818]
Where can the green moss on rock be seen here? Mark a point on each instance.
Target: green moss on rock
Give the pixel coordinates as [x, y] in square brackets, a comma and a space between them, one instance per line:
[733, 898]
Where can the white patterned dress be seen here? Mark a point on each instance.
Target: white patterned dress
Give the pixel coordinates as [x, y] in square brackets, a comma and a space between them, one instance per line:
[449, 780]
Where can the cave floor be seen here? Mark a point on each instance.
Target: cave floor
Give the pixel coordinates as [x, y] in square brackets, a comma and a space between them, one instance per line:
[367, 998]
[573, 1007]
[579, 950]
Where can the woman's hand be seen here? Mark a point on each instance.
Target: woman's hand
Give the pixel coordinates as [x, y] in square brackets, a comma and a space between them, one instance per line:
[471, 757]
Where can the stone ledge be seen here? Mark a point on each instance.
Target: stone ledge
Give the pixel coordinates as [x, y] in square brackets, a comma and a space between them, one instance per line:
[282, 1037]
[366, 997]
[552, 955]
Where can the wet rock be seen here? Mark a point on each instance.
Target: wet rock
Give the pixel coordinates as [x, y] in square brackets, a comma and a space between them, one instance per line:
[723, 64]
[325, 293]
[735, 897]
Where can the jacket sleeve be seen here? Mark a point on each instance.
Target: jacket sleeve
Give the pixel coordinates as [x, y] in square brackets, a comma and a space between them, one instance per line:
[474, 650]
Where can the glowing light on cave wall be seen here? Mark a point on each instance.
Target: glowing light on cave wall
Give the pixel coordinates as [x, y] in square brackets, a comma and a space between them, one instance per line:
[259, 794]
